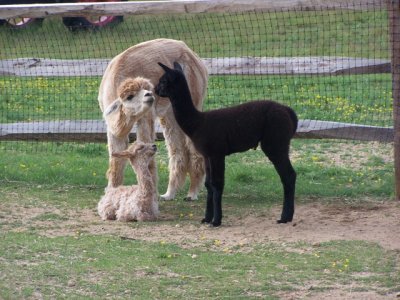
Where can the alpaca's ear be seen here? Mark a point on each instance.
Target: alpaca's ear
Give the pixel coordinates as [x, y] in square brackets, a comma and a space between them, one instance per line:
[122, 154]
[177, 67]
[114, 106]
[165, 68]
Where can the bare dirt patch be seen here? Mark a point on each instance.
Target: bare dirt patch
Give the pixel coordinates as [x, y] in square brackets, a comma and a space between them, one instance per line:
[352, 155]
[314, 223]
[335, 293]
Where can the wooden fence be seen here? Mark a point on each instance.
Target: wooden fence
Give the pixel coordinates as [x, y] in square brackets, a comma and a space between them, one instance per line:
[178, 6]
[216, 66]
[76, 130]
[94, 130]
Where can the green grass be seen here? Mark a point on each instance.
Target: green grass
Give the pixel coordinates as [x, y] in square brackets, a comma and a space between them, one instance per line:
[92, 267]
[354, 99]
[362, 99]
[70, 165]
[303, 33]
[47, 189]
[46, 194]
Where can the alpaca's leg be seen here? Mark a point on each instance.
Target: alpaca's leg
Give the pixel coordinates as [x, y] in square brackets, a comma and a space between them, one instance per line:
[125, 212]
[153, 171]
[196, 170]
[115, 172]
[209, 214]
[146, 133]
[280, 159]
[215, 187]
[217, 182]
[106, 209]
[178, 160]
[177, 170]
[288, 179]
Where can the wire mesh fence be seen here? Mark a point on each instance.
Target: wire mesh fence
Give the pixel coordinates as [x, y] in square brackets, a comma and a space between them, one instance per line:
[330, 64]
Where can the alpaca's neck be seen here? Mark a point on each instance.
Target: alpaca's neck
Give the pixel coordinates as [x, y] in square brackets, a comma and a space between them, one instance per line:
[128, 119]
[146, 182]
[186, 114]
[124, 124]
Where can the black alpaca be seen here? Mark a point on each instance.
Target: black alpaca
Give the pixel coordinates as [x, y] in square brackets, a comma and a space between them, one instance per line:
[221, 132]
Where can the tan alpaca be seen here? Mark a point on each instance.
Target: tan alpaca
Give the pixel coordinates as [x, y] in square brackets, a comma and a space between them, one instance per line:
[141, 60]
[133, 102]
[137, 202]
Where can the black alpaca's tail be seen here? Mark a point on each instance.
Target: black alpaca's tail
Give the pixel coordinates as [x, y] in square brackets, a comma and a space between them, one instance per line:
[294, 118]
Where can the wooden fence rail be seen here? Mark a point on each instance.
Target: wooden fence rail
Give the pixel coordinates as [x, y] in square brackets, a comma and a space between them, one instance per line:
[319, 65]
[80, 130]
[179, 7]
[95, 131]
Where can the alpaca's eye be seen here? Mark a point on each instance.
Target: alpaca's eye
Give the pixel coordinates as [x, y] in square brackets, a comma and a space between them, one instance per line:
[130, 97]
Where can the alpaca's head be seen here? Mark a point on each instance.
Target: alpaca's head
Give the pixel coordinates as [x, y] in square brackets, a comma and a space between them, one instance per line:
[139, 154]
[135, 97]
[172, 80]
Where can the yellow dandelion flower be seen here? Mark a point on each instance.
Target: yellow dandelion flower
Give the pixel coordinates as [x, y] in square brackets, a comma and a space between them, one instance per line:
[217, 242]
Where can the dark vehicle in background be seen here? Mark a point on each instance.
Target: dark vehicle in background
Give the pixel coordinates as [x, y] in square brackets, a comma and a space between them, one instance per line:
[73, 23]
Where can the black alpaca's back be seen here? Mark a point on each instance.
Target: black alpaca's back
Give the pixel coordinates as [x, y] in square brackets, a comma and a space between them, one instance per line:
[242, 127]
[221, 132]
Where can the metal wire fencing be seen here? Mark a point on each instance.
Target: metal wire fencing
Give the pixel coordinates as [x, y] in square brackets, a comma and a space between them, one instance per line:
[331, 64]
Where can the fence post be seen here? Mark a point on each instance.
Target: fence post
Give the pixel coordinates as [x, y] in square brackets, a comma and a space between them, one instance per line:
[394, 29]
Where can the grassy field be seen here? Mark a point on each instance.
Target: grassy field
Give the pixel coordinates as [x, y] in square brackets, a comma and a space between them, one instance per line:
[73, 164]
[302, 33]
[53, 244]
[339, 98]
[343, 243]
[362, 99]
[94, 267]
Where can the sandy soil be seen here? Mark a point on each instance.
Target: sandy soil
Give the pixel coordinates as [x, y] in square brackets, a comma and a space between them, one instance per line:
[314, 223]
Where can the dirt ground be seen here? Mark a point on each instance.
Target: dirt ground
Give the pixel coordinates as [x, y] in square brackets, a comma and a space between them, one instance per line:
[314, 223]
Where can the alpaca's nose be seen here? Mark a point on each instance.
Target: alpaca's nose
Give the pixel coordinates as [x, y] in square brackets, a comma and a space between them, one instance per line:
[148, 94]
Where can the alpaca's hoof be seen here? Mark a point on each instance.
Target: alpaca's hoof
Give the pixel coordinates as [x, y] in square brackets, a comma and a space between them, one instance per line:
[211, 223]
[215, 224]
[189, 199]
[205, 221]
[283, 221]
[166, 197]
[108, 217]
[146, 218]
